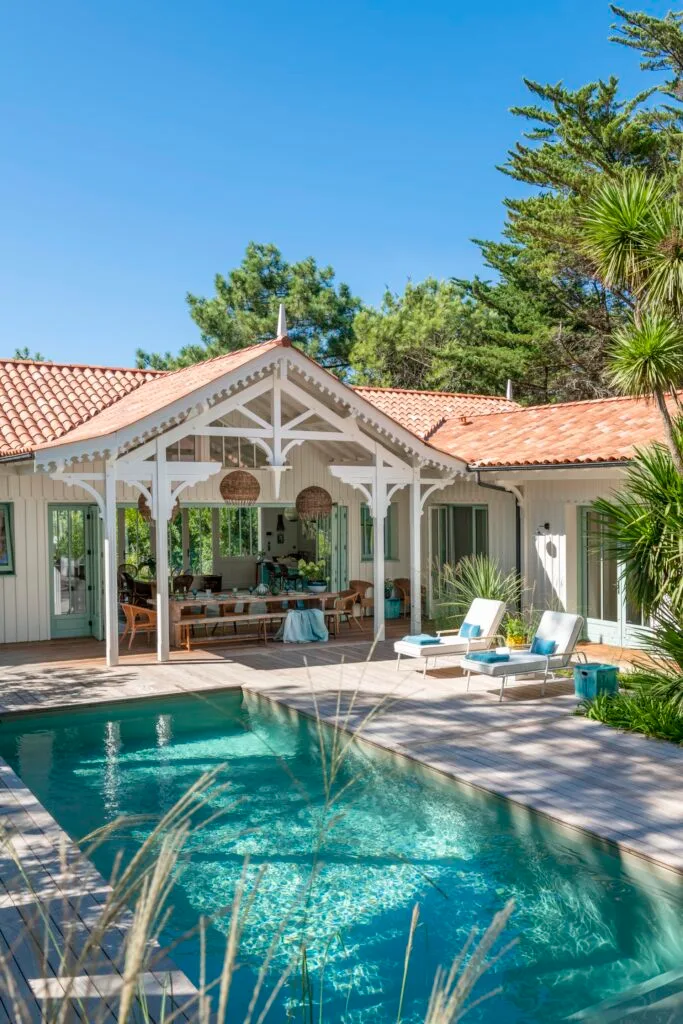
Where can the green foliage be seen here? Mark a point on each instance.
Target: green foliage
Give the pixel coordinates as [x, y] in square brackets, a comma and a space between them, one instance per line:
[475, 576]
[314, 572]
[430, 337]
[647, 356]
[638, 710]
[659, 40]
[516, 629]
[662, 675]
[643, 527]
[633, 233]
[25, 353]
[244, 311]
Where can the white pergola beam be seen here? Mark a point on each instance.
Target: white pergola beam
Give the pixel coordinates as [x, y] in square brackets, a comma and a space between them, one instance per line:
[111, 602]
[415, 553]
[163, 506]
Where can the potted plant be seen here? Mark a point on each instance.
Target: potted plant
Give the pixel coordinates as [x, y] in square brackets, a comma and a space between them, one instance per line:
[516, 632]
[392, 605]
[314, 573]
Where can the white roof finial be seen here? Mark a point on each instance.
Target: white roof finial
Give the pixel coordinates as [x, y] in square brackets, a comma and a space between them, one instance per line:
[281, 322]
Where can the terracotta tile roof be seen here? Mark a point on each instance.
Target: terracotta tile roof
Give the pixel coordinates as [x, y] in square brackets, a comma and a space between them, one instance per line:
[163, 390]
[43, 404]
[422, 412]
[42, 401]
[601, 430]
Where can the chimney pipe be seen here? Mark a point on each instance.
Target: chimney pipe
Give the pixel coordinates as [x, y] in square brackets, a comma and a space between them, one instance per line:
[508, 390]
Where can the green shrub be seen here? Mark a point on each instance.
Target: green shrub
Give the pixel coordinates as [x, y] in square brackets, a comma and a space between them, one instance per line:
[637, 710]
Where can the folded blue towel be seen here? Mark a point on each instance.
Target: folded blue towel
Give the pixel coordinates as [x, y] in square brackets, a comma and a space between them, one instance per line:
[490, 657]
[421, 638]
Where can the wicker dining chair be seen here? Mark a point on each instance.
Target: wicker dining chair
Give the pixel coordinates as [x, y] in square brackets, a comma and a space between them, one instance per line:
[342, 610]
[361, 587]
[402, 585]
[138, 620]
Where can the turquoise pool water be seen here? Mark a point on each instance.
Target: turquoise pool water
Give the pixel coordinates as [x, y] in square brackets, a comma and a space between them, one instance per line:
[588, 927]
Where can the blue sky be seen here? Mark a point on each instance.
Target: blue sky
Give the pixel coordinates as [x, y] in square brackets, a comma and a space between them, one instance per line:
[144, 144]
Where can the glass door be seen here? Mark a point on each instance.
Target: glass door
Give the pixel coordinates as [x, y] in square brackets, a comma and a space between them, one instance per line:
[74, 571]
[611, 617]
[332, 545]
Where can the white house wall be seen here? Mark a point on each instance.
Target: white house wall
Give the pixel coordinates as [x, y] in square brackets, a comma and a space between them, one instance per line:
[553, 554]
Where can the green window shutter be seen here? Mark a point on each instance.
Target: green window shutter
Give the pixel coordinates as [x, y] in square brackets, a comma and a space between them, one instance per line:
[367, 531]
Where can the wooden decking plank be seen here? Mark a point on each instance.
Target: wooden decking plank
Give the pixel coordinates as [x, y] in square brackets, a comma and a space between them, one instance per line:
[48, 866]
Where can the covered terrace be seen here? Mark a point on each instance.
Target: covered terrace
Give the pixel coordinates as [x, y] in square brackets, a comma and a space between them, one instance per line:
[271, 413]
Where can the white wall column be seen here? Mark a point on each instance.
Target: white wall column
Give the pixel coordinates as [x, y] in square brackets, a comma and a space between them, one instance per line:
[379, 502]
[162, 502]
[415, 553]
[111, 602]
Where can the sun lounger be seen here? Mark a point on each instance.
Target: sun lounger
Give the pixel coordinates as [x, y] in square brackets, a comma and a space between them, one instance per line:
[558, 631]
[484, 615]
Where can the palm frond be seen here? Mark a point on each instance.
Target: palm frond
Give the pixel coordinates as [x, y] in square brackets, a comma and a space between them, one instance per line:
[616, 226]
[647, 357]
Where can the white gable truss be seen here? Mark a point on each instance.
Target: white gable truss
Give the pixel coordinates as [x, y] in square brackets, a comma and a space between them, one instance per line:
[282, 399]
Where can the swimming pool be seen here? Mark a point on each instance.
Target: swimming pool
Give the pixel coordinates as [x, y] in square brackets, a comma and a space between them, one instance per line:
[589, 924]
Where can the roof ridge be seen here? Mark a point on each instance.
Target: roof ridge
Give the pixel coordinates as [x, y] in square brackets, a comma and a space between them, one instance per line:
[427, 391]
[584, 401]
[281, 342]
[82, 366]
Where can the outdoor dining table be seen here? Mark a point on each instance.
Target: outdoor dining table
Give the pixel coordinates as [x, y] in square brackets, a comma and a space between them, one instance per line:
[180, 605]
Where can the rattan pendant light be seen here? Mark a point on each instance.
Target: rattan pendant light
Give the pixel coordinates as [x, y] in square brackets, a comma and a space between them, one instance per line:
[313, 503]
[240, 488]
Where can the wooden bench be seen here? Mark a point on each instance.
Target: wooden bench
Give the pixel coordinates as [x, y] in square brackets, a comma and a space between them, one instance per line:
[261, 619]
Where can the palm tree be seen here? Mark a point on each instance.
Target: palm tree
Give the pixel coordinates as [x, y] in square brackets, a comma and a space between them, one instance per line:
[647, 362]
[633, 235]
[643, 527]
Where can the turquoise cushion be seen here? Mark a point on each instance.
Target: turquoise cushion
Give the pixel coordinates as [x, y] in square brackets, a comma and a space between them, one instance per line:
[489, 657]
[545, 647]
[469, 631]
[421, 638]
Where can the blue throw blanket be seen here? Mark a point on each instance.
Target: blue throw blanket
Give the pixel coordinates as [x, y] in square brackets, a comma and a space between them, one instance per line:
[490, 657]
[421, 638]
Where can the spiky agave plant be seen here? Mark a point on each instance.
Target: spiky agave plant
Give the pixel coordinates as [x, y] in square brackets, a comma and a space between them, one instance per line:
[476, 576]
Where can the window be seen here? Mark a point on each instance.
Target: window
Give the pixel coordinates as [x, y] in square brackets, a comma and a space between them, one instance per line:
[367, 534]
[182, 451]
[238, 531]
[200, 536]
[458, 531]
[136, 539]
[6, 539]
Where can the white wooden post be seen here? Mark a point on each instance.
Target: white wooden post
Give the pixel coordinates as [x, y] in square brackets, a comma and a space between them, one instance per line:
[379, 503]
[111, 602]
[415, 553]
[162, 501]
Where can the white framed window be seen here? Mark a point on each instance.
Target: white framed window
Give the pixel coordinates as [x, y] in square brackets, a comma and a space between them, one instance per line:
[237, 531]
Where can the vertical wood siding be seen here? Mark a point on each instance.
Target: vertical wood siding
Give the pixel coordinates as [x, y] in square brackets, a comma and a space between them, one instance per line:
[552, 573]
[24, 597]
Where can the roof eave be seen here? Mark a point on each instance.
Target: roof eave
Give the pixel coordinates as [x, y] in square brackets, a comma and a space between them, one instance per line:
[527, 466]
[144, 429]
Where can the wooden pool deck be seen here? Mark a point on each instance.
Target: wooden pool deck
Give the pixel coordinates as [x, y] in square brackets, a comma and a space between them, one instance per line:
[532, 750]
